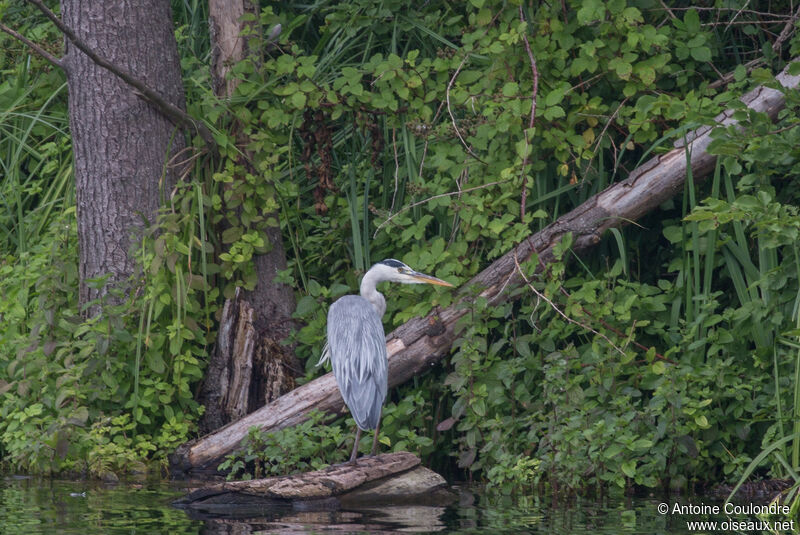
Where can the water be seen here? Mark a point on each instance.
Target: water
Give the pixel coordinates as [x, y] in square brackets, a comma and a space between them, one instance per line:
[32, 507]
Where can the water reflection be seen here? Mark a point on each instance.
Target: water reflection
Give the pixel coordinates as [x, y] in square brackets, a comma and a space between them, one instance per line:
[391, 519]
[474, 513]
[41, 506]
[33, 507]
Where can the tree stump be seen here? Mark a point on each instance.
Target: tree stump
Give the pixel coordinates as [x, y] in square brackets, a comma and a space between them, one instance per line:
[388, 478]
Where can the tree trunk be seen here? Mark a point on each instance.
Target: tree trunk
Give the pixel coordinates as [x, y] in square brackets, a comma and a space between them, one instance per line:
[121, 143]
[421, 342]
[248, 367]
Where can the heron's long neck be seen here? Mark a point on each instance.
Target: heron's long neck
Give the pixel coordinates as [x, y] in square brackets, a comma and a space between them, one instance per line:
[371, 294]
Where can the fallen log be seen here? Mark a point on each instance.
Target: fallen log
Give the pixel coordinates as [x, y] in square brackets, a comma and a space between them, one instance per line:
[421, 342]
[396, 478]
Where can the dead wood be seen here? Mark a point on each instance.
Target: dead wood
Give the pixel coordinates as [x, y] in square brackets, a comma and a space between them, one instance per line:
[249, 367]
[397, 477]
[421, 342]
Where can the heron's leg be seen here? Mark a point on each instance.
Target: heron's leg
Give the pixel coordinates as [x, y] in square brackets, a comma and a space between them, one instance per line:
[375, 438]
[355, 446]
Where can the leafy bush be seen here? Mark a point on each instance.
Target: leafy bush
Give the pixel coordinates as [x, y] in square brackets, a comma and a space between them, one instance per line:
[65, 377]
[385, 129]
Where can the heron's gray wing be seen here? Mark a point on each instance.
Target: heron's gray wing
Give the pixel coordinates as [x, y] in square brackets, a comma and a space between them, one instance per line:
[357, 351]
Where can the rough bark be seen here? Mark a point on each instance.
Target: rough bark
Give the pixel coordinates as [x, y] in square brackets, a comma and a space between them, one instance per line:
[421, 342]
[388, 478]
[249, 366]
[121, 143]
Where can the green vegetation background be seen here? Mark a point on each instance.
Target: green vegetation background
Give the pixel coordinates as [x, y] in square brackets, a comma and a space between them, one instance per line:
[681, 364]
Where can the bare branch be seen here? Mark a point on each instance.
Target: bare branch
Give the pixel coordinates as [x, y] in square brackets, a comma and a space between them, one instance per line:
[423, 201]
[749, 66]
[668, 10]
[737, 14]
[787, 31]
[396, 169]
[544, 298]
[450, 111]
[174, 113]
[608, 123]
[427, 138]
[535, 72]
[33, 46]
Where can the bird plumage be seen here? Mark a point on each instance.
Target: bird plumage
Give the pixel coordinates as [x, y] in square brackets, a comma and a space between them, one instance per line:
[358, 344]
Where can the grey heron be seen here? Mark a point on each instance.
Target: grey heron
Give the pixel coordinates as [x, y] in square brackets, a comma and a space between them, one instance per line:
[356, 344]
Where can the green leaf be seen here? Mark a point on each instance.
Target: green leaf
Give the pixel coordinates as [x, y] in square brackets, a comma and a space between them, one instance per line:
[305, 305]
[701, 421]
[298, 100]
[613, 450]
[554, 97]
[553, 112]
[647, 75]
[692, 21]
[511, 89]
[701, 53]
[629, 468]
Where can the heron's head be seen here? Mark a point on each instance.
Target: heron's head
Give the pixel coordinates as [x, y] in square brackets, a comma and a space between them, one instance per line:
[396, 271]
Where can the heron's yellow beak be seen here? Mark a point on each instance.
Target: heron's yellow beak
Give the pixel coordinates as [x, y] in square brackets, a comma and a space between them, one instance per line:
[421, 277]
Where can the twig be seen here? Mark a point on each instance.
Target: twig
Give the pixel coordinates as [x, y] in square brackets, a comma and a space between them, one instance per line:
[668, 10]
[450, 85]
[784, 129]
[611, 328]
[616, 331]
[743, 22]
[585, 82]
[720, 9]
[423, 201]
[396, 169]
[33, 46]
[787, 31]
[534, 71]
[749, 66]
[184, 164]
[544, 298]
[397, 161]
[499, 292]
[531, 120]
[176, 114]
[427, 137]
[737, 14]
[566, 294]
[460, 181]
[450, 111]
[608, 123]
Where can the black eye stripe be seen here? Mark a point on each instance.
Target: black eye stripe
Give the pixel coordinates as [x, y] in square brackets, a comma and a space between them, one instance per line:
[391, 262]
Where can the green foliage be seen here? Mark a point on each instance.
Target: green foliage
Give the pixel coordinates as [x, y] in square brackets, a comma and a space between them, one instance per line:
[308, 446]
[71, 401]
[385, 129]
[114, 391]
[314, 444]
[414, 140]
